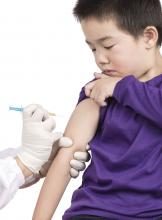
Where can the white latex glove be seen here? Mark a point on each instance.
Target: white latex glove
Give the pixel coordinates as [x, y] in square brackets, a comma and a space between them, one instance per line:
[37, 137]
[78, 163]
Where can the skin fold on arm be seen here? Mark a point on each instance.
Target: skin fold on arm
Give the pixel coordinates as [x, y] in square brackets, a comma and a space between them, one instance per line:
[81, 129]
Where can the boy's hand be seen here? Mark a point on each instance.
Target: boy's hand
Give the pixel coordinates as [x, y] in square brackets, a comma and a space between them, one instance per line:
[101, 88]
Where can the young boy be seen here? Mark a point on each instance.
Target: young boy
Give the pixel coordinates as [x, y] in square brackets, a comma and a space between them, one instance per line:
[119, 114]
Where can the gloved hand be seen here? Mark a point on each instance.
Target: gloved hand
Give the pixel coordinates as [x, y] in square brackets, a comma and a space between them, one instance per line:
[37, 137]
[77, 164]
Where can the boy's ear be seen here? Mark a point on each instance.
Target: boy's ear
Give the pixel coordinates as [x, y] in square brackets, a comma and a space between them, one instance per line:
[150, 35]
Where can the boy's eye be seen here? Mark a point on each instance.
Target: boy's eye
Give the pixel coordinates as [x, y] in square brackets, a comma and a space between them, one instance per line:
[108, 48]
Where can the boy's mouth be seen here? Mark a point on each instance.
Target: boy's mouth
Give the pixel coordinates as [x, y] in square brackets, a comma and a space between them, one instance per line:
[109, 72]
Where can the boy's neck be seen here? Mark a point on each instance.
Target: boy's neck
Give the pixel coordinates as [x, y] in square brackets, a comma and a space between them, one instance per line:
[155, 70]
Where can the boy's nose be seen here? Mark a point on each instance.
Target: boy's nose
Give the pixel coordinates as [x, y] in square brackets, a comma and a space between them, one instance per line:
[101, 59]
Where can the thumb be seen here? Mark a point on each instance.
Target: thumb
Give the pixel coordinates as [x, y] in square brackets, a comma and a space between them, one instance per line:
[65, 142]
[97, 75]
[88, 88]
[56, 136]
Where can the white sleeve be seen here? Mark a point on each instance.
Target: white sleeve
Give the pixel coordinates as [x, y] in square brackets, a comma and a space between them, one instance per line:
[11, 178]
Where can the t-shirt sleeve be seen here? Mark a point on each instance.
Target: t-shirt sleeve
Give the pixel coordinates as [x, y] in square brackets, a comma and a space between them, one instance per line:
[82, 96]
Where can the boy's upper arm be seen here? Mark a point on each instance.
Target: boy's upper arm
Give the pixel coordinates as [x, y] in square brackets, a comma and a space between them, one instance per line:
[83, 123]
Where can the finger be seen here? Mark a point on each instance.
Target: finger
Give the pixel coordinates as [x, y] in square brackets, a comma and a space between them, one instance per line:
[56, 136]
[103, 104]
[42, 172]
[98, 75]
[88, 88]
[82, 156]
[49, 124]
[87, 91]
[65, 142]
[55, 147]
[88, 147]
[39, 114]
[93, 93]
[92, 96]
[29, 110]
[100, 98]
[46, 115]
[101, 101]
[74, 173]
[77, 165]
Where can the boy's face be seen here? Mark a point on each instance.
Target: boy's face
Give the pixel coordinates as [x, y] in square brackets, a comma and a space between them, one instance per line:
[116, 52]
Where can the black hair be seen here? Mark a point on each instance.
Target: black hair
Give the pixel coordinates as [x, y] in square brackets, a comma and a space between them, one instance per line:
[132, 16]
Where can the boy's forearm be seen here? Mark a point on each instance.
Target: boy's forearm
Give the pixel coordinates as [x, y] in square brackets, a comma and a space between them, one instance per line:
[54, 186]
[81, 128]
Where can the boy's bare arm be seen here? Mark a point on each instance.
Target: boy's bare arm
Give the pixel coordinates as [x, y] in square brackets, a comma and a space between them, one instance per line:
[81, 128]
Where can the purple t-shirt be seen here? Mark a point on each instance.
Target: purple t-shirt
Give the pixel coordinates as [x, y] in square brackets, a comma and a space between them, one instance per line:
[124, 178]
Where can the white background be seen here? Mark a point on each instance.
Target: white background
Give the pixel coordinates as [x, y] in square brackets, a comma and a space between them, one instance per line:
[43, 59]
